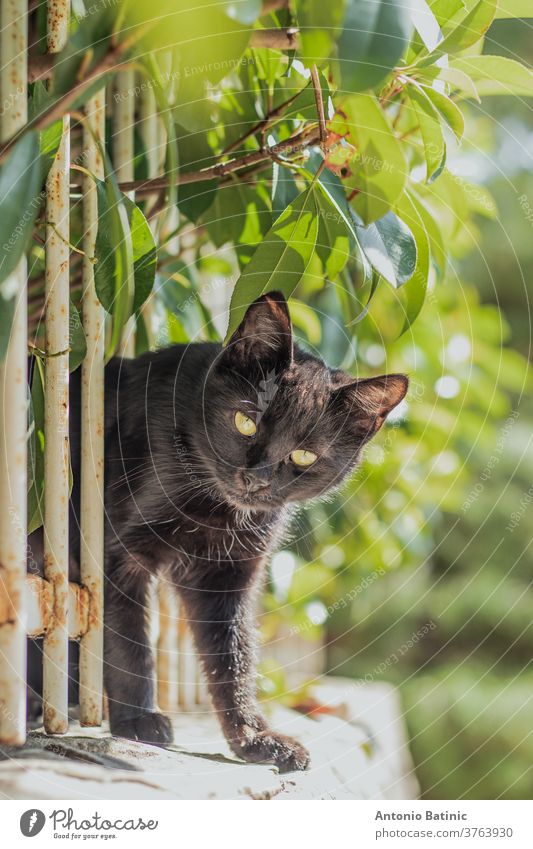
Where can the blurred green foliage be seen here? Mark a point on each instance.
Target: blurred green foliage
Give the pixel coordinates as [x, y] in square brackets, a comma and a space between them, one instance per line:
[436, 528]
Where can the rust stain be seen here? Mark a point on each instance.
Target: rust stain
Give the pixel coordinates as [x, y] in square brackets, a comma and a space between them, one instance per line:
[90, 711]
[79, 606]
[94, 619]
[54, 722]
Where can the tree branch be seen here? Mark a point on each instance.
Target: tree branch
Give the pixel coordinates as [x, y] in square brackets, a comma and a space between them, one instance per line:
[41, 66]
[275, 39]
[295, 144]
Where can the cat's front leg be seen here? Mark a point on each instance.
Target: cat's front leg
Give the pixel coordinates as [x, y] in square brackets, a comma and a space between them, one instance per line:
[220, 611]
[128, 660]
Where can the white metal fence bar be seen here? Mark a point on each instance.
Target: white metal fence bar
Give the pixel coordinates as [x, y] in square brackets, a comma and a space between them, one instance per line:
[149, 129]
[167, 649]
[92, 439]
[123, 155]
[51, 607]
[56, 456]
[13, 411]
[187, 664]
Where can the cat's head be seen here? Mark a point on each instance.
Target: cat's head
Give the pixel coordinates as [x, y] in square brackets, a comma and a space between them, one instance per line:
[279, 425]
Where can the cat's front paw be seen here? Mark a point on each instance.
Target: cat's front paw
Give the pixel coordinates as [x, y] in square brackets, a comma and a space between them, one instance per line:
[145, 727]
[270, 747]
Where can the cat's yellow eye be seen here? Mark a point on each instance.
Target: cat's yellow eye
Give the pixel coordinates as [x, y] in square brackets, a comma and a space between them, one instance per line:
[303, 458]
[245, 424]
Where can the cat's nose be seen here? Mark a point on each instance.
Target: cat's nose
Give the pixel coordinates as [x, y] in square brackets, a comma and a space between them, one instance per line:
[256, 478]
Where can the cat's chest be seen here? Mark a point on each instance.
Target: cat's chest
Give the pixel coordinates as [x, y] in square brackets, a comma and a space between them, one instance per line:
[191, 539]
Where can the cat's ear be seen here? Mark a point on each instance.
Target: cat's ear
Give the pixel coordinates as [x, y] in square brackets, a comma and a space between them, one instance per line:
[365, 404]
[264, 334]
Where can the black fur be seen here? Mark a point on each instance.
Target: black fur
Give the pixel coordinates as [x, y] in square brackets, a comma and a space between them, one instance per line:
[191, 499]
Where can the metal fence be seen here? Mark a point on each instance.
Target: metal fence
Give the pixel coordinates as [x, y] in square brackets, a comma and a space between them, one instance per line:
[52, 607]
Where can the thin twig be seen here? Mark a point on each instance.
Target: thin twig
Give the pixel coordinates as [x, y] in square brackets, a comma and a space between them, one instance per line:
[262, 125]
[319, 108]
[275, 39]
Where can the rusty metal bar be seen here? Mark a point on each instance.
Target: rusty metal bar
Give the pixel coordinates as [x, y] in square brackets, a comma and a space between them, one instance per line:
[56, 455]
[13, 411]
[39, 606]
[92, 436]
[41, 613]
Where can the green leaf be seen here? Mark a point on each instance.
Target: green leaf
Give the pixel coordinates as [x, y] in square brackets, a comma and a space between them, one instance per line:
[20, 199]
[306, 319]
[428, 122]
[144, 253]
[319, 24]
[457, 79]
[444, 10]
[194, 152]
[143, 335]
[39, 101]
[206, 42]
[36, 449]
[195, 198]
[454, 198]
[468, 31]
[336, 222]
[514, 9]
[374, 36]
[496, 75]
[126, 254]
[414, 290]
[333, 241]
[182, 302]
[50, 137]
[433, 231]
[284, 189]
[449, 111]
[390, 248]
[77, 340]
[113, 274]
[239, 215]
[49, 141]
[225, 218]
[353, 317]
[379, 167]
[281, 259]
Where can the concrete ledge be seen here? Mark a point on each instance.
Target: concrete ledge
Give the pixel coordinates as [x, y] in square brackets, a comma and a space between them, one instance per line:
[357, 750]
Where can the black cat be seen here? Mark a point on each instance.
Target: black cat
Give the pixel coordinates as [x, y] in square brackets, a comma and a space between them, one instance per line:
[207, 448]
